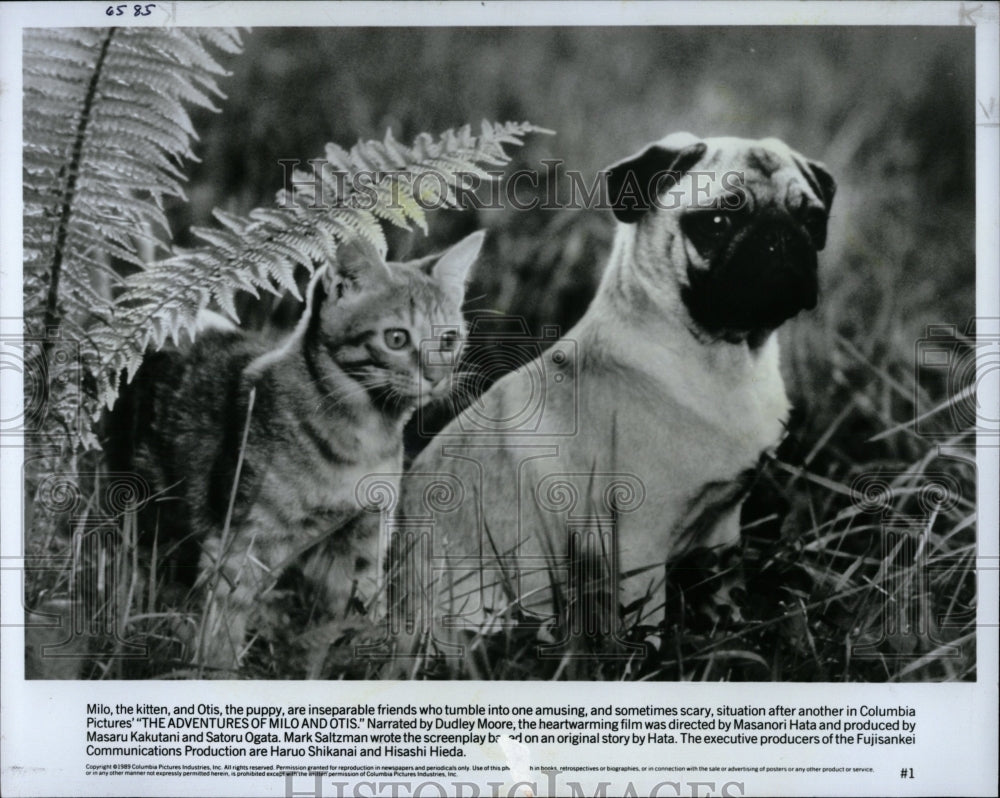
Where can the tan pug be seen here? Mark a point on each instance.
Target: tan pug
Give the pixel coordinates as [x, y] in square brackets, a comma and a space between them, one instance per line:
[557, 497]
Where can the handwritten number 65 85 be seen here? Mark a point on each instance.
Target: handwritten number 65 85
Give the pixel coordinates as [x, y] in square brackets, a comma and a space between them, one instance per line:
[137, 10]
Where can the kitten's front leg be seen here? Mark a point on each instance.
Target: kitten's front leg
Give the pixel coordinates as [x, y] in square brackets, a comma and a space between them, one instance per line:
[346, 571]
[235, 573]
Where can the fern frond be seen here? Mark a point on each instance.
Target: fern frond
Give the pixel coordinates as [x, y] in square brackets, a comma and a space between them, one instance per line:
[261, 251]
[105, 136]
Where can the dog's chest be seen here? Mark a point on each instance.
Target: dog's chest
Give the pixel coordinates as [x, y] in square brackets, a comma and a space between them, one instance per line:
[679, 448]
[689, 432]
[704, 418]
[741, 404]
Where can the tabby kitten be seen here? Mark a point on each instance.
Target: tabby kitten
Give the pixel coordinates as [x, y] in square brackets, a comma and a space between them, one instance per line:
[256, 451]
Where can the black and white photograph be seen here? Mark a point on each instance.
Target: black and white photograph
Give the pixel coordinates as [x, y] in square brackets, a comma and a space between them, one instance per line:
[464, 346]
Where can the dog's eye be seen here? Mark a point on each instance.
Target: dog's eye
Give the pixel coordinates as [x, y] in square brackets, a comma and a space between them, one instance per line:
[721, 223]
[396, 338]
[708, 226]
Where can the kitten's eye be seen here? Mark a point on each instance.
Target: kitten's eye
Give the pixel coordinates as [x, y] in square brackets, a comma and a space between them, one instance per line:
[449, 340]
[396, 338]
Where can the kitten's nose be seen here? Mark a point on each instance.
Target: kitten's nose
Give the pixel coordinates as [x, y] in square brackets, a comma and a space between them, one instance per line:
[434, 365]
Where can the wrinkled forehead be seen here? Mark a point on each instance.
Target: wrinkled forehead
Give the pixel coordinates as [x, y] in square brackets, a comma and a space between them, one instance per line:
[760, 159]
[730, 162]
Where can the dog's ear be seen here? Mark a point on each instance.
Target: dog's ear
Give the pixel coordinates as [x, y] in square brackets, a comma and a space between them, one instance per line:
[819, 179]
[634, 183]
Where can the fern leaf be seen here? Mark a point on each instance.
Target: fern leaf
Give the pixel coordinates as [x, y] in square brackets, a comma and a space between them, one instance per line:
[106, 134]
[261, 251]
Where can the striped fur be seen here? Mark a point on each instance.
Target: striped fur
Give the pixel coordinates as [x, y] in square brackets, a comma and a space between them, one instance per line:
[255, 450]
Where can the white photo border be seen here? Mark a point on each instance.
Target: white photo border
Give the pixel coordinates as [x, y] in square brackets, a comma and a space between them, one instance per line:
[957, 750]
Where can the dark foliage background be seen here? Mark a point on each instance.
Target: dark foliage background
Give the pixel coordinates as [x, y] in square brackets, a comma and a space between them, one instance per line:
[889, 110]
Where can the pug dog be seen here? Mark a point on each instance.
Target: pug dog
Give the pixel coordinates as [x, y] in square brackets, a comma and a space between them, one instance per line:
[559, 495]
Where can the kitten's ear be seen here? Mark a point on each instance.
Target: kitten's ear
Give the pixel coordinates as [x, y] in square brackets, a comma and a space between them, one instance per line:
[358, 265]
[452, 269]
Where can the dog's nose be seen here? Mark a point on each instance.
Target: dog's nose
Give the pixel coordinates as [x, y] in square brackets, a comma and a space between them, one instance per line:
[776, 240]
[781, 243]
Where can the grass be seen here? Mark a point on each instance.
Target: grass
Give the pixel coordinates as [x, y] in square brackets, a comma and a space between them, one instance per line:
[859, 537]
[856, 565]
[848, 571]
